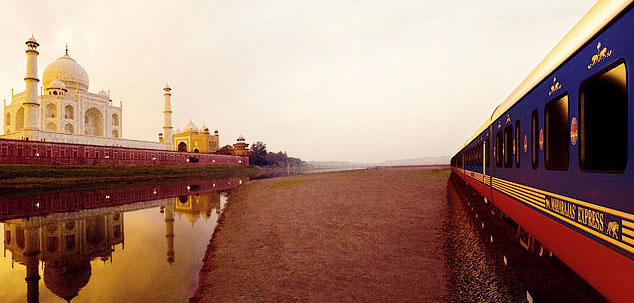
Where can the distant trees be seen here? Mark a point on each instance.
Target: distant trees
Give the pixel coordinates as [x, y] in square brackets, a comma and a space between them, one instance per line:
[260, 156]
[225, 150]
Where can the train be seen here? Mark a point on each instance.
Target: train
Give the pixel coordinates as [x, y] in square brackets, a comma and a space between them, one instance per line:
[557, 155]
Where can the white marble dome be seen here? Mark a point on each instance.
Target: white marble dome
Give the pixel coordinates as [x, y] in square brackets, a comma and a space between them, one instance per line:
[68, 71]
[190, 127]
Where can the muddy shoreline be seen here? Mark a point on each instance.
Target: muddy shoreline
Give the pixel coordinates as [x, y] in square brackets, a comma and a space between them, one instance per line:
[369, 236]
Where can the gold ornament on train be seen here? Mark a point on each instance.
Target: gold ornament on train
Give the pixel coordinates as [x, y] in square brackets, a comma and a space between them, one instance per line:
[613, 229]
[555, 87]
[601, 54]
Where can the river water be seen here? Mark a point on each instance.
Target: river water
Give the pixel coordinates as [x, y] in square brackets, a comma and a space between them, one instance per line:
[132, 244]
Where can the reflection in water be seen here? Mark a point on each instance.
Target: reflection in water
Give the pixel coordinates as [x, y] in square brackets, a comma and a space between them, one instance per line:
[65, 246]
[75, 247]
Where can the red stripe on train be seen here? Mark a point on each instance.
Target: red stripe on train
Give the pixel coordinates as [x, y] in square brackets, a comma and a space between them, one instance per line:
[608, 271]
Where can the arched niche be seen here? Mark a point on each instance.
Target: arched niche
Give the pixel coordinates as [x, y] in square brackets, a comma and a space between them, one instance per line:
[51, 127]
[51, 110]
[93, 119]
[69, 128]
[19, 119]
[115, 119]
[69, 112]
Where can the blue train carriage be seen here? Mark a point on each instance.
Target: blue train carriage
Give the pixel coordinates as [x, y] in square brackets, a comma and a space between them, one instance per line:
[556, 155]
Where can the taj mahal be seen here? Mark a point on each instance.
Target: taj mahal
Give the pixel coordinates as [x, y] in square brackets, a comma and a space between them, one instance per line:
[65, 111]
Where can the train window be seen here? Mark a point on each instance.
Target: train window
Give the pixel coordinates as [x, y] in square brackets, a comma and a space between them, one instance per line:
[603, 121]
[517, 144]
[508, 146]
[480, 154]
[487, 149]
[556, 146]
[535, 139]
[498, 149]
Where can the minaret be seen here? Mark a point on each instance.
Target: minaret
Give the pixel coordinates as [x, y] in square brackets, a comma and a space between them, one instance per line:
[167, 116]
[169, 230]
[31, 104]
[31, 259]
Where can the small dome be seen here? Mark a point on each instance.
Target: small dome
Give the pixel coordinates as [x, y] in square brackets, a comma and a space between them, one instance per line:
[204, 129]
[240, 138]
[190, 127]
[56, 84]
[68, 280]
[103, 94]
[68, 71]
[32, 39]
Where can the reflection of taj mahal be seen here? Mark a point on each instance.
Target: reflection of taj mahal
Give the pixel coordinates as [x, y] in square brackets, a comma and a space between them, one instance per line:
[65, 246]
[66, 243]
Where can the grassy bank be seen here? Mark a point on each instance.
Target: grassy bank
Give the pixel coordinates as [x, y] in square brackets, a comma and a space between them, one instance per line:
[39, 176]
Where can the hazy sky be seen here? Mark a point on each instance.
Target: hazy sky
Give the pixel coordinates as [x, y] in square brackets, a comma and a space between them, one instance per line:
[323, 80]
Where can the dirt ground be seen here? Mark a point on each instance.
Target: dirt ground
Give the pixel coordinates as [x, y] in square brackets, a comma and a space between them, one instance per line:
[362, 236]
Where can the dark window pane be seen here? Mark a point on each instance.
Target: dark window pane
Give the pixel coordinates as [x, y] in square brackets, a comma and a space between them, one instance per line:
[603, 121]
[556, 146]
[498, 149]
[517, 144]
[535, 139]
[508, 146]
[487, 149]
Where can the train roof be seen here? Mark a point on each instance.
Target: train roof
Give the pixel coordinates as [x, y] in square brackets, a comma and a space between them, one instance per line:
[599, 16]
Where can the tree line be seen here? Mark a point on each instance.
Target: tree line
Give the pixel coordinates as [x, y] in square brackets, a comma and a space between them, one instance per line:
[258, 155]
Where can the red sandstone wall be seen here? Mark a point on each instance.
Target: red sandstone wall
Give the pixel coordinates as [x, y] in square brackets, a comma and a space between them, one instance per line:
[37, 152]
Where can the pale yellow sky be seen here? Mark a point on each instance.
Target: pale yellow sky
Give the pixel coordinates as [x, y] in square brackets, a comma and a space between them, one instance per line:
[323, 80]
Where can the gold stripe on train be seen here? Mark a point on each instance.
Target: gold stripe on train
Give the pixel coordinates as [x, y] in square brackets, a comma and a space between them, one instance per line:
[583, 227]
[627, 240]
[498, 185]
[627, 224]
[531, 202]
[511, 189]
[520, 198]
[573, 200]
[518, 193]
[540, 199]
[628, 232]
[524, 188]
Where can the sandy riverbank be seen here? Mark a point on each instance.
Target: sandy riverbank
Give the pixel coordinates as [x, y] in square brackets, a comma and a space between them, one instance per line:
[367, 236]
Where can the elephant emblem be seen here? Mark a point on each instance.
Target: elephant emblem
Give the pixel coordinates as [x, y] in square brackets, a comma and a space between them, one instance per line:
[613, 229]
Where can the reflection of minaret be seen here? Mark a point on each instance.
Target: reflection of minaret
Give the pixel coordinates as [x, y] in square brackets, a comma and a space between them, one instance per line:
[31, 261]
[169, 230]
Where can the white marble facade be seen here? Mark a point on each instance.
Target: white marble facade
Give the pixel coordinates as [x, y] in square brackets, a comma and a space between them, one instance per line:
[63, 110]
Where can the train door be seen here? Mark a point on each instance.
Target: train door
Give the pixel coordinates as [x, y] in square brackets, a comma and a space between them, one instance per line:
[488, 176]
[484, 158]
